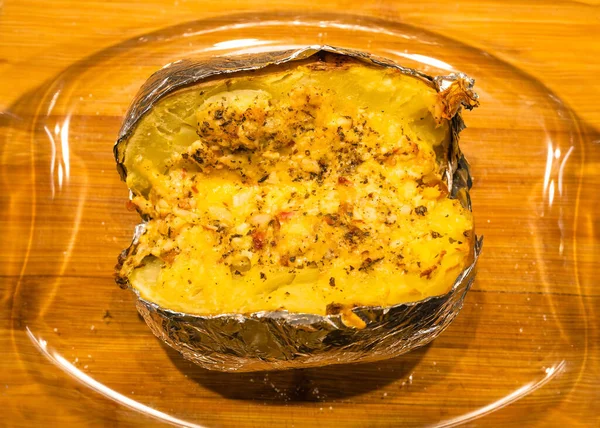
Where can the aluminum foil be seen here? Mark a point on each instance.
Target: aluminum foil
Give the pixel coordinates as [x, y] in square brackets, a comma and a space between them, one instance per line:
[275, 340]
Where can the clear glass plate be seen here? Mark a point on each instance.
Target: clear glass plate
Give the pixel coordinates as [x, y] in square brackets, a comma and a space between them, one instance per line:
[517, 351]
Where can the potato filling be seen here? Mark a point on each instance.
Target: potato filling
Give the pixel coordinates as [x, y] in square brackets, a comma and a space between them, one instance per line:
[310, 189]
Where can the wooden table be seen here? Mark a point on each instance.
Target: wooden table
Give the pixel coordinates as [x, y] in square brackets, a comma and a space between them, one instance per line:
[556, 43]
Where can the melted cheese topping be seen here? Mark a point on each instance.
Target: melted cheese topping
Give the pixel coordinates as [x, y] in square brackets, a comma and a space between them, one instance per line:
[300, 197]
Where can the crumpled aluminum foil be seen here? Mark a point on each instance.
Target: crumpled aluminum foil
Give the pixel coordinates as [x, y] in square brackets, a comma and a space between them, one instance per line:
[275, 340]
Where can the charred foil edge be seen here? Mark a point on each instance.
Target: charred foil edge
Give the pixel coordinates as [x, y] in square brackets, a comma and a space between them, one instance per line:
[276, 340]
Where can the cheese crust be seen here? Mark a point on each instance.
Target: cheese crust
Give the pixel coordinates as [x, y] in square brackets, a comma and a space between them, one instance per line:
[312, 188]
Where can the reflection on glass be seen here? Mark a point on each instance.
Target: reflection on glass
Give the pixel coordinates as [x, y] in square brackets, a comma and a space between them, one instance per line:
[424, 59]
[550, 372]
[82, 377]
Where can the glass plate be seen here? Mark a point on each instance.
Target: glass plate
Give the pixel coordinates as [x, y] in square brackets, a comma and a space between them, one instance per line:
[517, 351]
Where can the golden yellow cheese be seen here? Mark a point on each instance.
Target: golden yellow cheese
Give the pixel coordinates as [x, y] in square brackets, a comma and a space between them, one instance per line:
[309, 188]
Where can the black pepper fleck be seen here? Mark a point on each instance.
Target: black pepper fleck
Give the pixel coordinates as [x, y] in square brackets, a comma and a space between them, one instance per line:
[421, 210]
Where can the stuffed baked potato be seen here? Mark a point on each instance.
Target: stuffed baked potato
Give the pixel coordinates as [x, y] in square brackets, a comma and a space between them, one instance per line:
[295, 191]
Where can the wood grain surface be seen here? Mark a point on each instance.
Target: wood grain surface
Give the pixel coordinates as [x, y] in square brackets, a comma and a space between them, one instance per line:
[523, 352]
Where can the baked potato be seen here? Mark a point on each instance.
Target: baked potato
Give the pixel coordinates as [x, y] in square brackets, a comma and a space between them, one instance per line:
[301, 208]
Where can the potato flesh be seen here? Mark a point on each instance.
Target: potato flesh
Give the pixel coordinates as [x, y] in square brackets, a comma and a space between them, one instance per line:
[311, 186]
